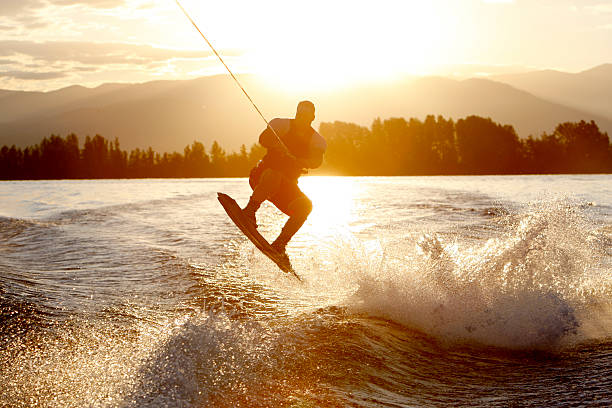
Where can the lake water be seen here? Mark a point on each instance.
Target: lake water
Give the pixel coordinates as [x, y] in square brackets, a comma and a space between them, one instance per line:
[419, 291]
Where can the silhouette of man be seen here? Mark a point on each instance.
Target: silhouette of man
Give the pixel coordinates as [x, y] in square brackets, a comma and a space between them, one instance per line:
[275, 178]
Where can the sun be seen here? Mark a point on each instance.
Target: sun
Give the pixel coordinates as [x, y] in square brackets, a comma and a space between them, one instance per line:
[298, 71]
[344, 43]
[322, 45]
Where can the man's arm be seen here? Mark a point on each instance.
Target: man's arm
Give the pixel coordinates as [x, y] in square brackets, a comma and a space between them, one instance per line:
[268, 140]
[313, 161]
[318, 145]
[271, 141]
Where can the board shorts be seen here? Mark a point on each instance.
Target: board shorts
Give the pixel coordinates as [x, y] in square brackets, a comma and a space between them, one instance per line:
[286, 194]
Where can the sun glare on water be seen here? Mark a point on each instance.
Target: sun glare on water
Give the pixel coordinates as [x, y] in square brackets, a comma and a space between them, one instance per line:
[333, 200]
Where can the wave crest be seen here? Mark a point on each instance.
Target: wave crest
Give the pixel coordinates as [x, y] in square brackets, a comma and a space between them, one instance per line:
[542, 284]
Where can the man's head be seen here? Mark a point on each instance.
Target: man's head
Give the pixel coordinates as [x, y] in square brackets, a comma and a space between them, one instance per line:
[305, 113]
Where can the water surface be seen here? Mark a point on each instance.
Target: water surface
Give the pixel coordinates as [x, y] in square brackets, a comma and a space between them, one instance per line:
[419, 291]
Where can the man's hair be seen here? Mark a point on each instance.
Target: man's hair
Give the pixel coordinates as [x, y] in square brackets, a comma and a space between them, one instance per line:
[305, 105]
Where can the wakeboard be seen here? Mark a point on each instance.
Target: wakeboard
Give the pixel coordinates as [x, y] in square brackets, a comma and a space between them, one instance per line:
[235, 213]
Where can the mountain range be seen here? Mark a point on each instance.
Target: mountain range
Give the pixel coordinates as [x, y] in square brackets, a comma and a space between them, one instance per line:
[590, 90]
[168, 115]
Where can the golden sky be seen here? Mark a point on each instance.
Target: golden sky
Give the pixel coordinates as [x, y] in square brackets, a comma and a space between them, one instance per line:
[48, 44]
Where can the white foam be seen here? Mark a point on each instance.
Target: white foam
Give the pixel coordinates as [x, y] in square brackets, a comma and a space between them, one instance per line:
[542, 283]
[184, 362]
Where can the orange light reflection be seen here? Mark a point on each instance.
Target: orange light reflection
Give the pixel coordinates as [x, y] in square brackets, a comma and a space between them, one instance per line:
[333, 200]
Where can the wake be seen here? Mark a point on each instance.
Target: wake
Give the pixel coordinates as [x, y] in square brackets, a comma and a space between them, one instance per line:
[544, 283]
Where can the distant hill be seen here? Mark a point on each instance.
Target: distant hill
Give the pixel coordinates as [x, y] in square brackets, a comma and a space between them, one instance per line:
[457, 99]
[168, 115]
[4, 93]
[589, 90]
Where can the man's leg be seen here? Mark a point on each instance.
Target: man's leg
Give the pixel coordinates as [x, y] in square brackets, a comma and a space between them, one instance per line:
[299, 209]
[269, 183]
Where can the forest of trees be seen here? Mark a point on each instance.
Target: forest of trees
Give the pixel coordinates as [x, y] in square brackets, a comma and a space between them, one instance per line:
[473, 145]
[396, 146]
[62, 158]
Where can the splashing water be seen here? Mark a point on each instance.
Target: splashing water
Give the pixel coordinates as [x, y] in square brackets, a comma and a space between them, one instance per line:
[539, 285]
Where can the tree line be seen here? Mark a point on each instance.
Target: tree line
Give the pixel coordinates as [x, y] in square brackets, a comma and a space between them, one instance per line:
[473, 145]
[395, 146]
[62, 158]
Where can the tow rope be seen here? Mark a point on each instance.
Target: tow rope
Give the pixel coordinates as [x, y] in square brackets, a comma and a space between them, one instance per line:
[233, 76]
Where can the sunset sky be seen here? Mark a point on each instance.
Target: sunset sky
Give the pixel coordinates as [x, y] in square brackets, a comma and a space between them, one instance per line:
[49, 44]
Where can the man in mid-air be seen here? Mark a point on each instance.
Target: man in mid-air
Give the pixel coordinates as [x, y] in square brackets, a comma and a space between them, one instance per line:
[275, 178]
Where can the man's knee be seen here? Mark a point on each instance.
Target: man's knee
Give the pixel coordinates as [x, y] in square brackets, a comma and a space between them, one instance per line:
[301, 207]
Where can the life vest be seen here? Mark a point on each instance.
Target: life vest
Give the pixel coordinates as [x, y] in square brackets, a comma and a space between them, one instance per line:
[299, 145]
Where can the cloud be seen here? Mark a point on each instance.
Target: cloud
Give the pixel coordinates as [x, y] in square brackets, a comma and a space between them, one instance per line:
[85, 69]
[51, 63]
[28, 75]
[602, 8]
[12, 7]
[96, 53]
[89, 3]
[30, 22]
